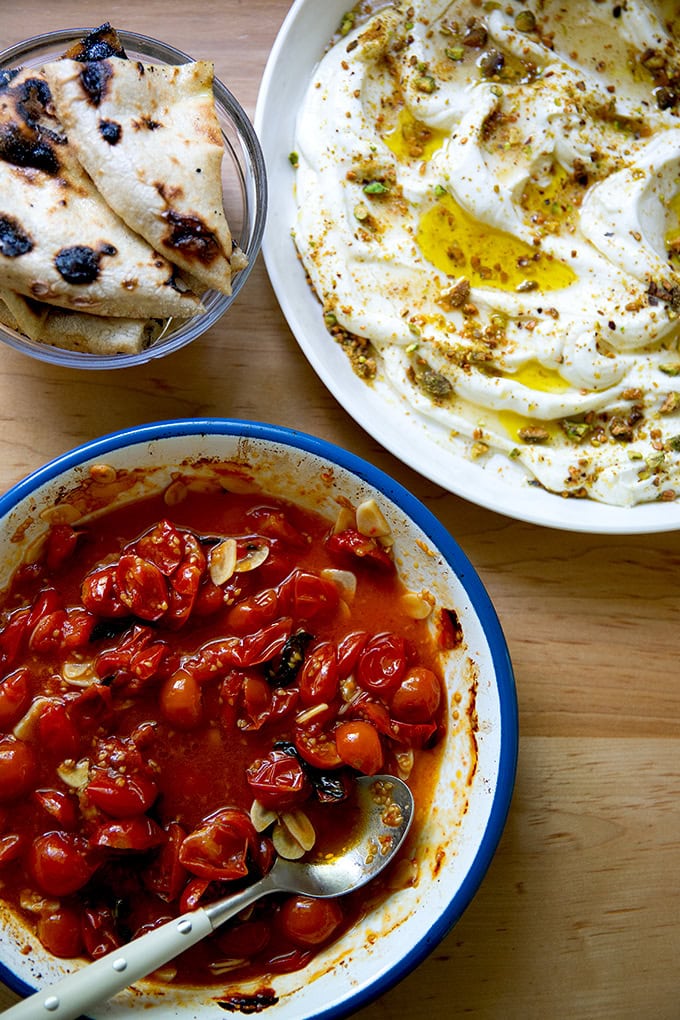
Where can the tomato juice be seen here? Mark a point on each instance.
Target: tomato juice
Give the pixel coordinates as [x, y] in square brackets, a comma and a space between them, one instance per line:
[187, 689]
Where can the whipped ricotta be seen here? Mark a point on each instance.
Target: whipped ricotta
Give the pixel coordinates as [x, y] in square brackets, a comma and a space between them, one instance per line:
[488, 207]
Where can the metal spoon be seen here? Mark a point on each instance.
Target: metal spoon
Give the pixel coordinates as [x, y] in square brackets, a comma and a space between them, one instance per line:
[386, 805]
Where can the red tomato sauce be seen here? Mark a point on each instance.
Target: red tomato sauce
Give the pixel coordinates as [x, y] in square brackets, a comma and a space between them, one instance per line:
[149, 694]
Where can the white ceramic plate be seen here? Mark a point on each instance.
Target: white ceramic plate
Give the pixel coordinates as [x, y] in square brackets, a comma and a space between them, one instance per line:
[455, 846]
[299, 46]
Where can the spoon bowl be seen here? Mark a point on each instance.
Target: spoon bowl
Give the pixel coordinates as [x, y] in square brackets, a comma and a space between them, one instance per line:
[386, 808]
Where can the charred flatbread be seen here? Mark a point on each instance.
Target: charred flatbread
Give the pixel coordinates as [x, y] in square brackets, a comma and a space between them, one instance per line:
[76, 331]
[60, 242]
[149, 137]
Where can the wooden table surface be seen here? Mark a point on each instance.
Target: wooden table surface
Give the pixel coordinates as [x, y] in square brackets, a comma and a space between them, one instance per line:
[579, 913]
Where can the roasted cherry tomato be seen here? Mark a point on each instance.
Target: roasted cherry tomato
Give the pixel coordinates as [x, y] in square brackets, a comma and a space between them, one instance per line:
[61, 543]
[60, 931]
[317, 747]
[60, 863]
[15, 697]
[306, 595]
[309, 922]
[57, 732]
[59, 806]
[180, 700]
[100, 595]
[166, 876]
[18, 769]
[318, 679]
[12, 846]
[141, 587]
[417, 697]
[278, 781]
[253, 612]
[138, 833]
[218, 849]
[382, 664]
[121, 795]
[350, 545]
[163, 545]
[359, 745]
[99, 931]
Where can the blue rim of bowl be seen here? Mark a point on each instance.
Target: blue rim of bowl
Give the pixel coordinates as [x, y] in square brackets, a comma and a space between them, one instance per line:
[465, 572]
[216, 304]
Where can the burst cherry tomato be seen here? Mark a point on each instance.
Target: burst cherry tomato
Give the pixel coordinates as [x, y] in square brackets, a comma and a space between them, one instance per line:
[417, 697]
[317, 747]
[278, 781]
[166, 876]
[309, 922]
[359, 745]
[382, 664]
[141, 587]
[218, 849]
[121, 795]
[99, 931]
[318, 679]
[100, 595]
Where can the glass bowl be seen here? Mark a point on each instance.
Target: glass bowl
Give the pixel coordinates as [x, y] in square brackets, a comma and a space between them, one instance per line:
[244, 187]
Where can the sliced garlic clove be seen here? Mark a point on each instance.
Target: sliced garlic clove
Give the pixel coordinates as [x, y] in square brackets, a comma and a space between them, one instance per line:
[345, 519]
[285, 843]
[222, 561]
[371, 521]
[311, 713]
[74, 774]
[175, 493]
[405, 761]
[261, 817]
[344, 579]
[300, 828]
[25, 728]
[417, 605]
[253, 558]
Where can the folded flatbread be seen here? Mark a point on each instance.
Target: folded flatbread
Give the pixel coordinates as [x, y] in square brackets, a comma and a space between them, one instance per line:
[60, 242]
[76, 331]
[149, 137]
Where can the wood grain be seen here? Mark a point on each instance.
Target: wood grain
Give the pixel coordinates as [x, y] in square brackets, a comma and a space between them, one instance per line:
[578, 914]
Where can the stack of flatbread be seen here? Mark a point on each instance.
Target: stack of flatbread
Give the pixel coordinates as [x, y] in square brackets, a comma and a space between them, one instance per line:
[111, 211]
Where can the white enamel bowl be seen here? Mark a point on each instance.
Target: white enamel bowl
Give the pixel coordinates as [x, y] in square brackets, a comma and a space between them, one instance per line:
[300, 44]
[455, 847]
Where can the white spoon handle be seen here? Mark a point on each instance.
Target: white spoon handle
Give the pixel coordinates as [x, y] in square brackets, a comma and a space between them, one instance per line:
[98, 981]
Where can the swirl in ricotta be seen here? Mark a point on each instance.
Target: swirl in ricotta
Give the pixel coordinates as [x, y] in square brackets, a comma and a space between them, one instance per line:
[489, 195]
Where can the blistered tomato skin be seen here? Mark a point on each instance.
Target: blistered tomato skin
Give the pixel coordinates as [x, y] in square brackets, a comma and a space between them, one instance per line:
[146, 708]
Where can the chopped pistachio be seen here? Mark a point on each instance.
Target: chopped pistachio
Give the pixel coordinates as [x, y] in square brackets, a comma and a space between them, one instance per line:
[347, 23]
[670, 369]
[375, 188]
[533, 434]
[674, 444]
[454, 52]
[575, 430]
[425, 83]
[294, 159]
[361, 212]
